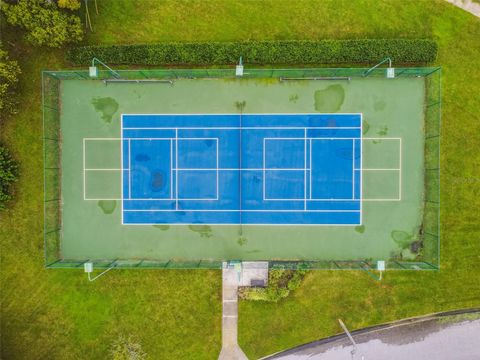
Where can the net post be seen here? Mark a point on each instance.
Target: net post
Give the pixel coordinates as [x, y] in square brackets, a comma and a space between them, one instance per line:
[93, 70]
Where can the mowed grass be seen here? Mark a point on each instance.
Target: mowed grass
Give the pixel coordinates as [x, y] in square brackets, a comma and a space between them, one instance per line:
[177, 314]
[58, 314]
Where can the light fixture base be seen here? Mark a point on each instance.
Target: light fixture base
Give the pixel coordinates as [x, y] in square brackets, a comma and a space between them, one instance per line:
[390, 73]
[93, 71]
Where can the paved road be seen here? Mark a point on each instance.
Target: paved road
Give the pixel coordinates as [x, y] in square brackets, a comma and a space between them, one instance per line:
[440, 338]
[467, 5]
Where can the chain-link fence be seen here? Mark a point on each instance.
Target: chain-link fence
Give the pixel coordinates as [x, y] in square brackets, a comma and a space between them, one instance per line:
[429, 237]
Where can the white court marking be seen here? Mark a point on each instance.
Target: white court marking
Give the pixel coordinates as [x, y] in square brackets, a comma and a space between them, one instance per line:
[399, 198]
[305, 169]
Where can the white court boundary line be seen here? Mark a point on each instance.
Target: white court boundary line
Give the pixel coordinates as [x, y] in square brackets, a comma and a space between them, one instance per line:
[253, 169]
[309, 169]
[228, 128]
[172, 169]
[399, 169]
[399, 198]
[245, 128]
[236, 210]
[121, 162]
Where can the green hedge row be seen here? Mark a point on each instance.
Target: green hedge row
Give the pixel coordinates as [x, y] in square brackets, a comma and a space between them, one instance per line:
[261, 52]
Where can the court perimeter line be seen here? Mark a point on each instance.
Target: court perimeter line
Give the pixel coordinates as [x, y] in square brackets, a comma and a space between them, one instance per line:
[244, 169]
[353, 169]
[213, 199]
[236, 224]
[129, 169]
[361, 168]
[84, 176]
[311, 170]
[305, 170]
[360, 138]
[218, 181]
[400, 175]
[121, 165]
[171, 168]
[233, 210]
[247, 128]
[236, 114]
[176, 164]
[264, 172]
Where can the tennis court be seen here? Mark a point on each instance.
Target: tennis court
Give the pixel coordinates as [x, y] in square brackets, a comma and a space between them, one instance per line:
[197, 170]
[250, 168]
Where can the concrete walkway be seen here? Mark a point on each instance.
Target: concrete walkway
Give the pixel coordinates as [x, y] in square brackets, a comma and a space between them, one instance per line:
[233, 276]
[230, 283]
[467, 5]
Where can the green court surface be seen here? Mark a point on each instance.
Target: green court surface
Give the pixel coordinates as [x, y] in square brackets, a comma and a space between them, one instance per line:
[393, 186]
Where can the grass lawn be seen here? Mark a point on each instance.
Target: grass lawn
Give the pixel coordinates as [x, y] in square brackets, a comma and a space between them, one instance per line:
[177, 314]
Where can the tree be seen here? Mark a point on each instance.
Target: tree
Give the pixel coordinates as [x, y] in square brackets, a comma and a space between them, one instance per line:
[44, 23]
[9, 71]
[69, 4]
[8, 175]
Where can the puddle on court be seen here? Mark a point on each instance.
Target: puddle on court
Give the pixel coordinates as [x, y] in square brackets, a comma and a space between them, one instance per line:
[365, 127]
[360, 229]
[107, 206]
[162, 227]
[106, 106]
[402, 238]
[240, 105]
[329, 100]
[379, 105]
[293, 98]
[383, 131]
[203, 230]
[416, 246]
[142, 157]
[242, 241]
[158, 181]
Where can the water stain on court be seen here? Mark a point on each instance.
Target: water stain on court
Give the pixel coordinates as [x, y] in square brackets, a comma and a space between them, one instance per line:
[360, 229]
[107, 206]
[293, 98]
[383, 131]
[379, 105]
[329, 100]
[162, 227]
[242, 241]
[365, 127]
[142, 157]
[345, 153]
[240, 105]
[402, 238]
[106, 106]
[203, 230]
[158, 180]
[209, 143]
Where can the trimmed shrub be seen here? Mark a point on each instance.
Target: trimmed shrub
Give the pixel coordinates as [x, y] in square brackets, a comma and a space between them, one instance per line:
[280, 283]
[261, 52]
[8, 175]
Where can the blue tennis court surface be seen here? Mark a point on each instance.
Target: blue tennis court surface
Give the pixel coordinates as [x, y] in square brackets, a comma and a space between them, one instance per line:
[242, 169]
